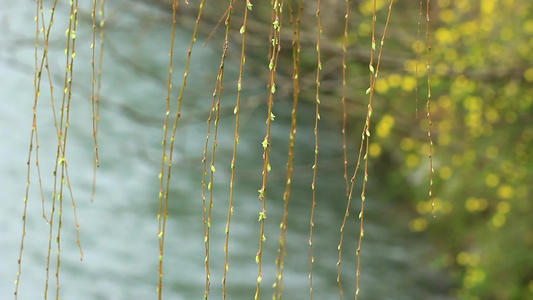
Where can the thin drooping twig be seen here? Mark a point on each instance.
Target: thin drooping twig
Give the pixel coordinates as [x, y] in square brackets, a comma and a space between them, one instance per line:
[278, 284]
[222, 18]
[34, 136]
[96, 84]
[61, 160]
[315, 161]
[235, 143]
[163, 190]
[343, 101]
[165, 182]
[274, 49]
[365, 135]
[417, 57]
[343, 97]
[215, 107]
[93, 83]
[428, 107]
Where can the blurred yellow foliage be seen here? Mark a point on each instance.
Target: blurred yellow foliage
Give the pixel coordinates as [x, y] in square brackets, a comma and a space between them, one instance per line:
[384, 126]
[457, 159]
[445, 36]
[364, 29]
[445, 126]
[381, 86]
[424, 207]
[409, 83]
[487, 7]
[407, 144]
[468, 258]
[527, 27]
[367, 7]
[498, 220]
[492, 180]
[492, 152]
[506, 34]
[412, 160]
[505, 191]
[503, 207]
[445, 173]
[394, 80]
[528, 74]
[444, 139]
[418, 224]
[481, 79]
[473, 276]
[473, 204]
[447, 15]
[443, 3]
[492, 115]
[462, 5]
[374, 149]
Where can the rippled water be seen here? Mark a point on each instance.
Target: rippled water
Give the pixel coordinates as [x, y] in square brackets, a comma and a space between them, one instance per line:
[119, 230]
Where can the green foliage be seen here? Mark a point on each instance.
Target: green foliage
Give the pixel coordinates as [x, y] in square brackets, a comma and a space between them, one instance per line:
[482, 87]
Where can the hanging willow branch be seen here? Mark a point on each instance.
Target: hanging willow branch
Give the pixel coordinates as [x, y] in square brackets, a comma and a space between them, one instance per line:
[278, 284]
[343, 101]
[315, 131]
[275, 47]
[428, 107]
[235, 143]
[61, 123]
[96, 83]
[167, 160]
